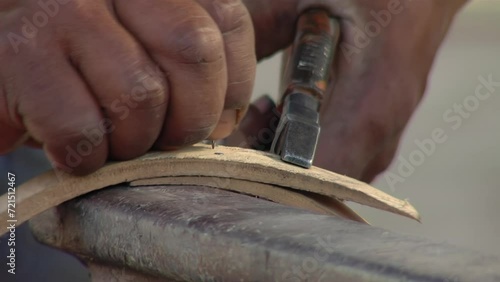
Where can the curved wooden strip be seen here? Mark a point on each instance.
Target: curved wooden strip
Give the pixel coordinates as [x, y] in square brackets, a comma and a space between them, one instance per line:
[317, 203]
[51, 189]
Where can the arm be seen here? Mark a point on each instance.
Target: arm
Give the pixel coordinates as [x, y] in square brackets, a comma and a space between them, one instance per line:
[386, 52]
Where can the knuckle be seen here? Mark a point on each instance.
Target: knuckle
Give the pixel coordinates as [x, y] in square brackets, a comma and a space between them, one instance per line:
[80, 11]
[12, 43]
[200, 43]
[148, 98]
[232, 16]
[141, 90]
[149, 91]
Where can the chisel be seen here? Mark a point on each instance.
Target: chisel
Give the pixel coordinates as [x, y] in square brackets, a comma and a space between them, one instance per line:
[305, 79]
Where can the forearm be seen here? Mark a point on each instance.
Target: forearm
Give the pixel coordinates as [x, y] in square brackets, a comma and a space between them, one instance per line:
[386, 50]
[273, 19]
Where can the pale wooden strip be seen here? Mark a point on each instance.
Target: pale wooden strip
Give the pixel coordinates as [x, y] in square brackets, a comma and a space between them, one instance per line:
[49, 189]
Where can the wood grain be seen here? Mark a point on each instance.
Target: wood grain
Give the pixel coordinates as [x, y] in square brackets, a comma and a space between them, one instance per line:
[51, 189]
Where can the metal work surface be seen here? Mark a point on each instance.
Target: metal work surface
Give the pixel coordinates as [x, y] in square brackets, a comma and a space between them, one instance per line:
[205, 234]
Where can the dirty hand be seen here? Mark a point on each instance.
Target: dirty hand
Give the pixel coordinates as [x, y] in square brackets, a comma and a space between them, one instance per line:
[92, 80]
[386, 51]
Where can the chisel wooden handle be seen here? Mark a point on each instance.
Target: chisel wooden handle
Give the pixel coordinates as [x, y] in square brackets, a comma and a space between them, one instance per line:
[308, 62]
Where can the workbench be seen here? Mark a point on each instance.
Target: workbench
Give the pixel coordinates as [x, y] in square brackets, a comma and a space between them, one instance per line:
[194, 233]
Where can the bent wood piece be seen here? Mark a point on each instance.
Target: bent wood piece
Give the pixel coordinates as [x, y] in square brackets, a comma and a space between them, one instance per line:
[53, 188]
[317, 203]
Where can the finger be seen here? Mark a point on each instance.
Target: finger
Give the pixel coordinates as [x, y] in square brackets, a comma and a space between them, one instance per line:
[129, 87]
[58, 111]
[236, 27]
[182, 37]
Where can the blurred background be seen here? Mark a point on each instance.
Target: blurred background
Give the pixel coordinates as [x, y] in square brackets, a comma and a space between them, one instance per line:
[457, 188]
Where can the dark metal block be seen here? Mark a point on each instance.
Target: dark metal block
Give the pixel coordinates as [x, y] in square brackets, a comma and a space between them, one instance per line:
[205, 234]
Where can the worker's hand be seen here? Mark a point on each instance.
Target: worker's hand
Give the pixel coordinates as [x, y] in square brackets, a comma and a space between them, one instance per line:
[89, 80]
[386, 51]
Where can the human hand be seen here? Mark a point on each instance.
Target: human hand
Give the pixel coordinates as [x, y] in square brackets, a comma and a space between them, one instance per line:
[92, 80]
[386, 51]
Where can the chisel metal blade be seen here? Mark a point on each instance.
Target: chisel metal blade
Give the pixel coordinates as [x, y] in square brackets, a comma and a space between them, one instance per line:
[298, 131]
